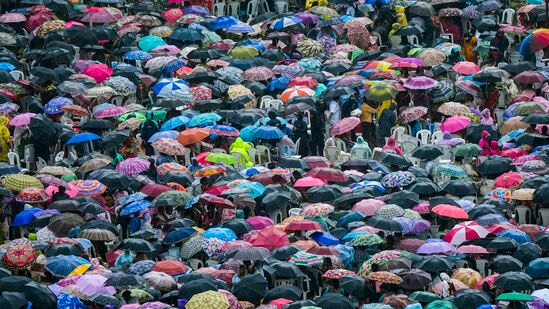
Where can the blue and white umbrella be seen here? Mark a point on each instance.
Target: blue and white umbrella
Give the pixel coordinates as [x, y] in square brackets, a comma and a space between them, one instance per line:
[135, 207]
[174, 123]
[222, 233]
[366, 183]
[518, 235]
[264, 121]
[166, 85]
[223, 22]
[55, 104]
[138, 196]
[285, 22]
[137, 55]
[6, 66]
[240, 28]
[268, 132]
[163, 134]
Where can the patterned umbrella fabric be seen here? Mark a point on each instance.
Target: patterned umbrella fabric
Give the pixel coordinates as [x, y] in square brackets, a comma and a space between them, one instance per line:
[18, 256]
[90, 187]
[133, 166]
[385, 277]
[18, 182]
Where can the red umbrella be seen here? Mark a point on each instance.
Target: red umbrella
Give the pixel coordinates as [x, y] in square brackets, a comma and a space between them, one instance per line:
[513, 153]
[344, 125]
[317, 161]
[307, 182]
[169, 267]
[323, 250]
[508, 180]
[172, 15]
[464, 231]
[306, 81]
[217, 201]
[490, 280]
[304, 225]
[269, 178]
[37, 20]
[500, 227]
[328, 174]
[271, 238]
[529, 77]
[450, 211]
[530, 229]
[466, 68]
[154, 190]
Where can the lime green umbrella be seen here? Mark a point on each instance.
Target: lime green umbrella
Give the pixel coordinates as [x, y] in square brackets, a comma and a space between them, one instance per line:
[221, 157]
[243, 52]
[132, 114]
[415, 51]
[158, 115]
[466, 150]
[424, 297]
[150, 42]
[441, 304]
[514, 296]
[380, 91]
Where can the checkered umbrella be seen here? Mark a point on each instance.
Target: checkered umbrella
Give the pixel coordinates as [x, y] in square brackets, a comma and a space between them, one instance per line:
[133, 166]
[208, 300]
[18, 182]
[389, 211]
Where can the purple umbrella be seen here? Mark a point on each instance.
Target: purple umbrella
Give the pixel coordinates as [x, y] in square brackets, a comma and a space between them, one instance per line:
[45, 212]
[197, 10]
[420, 83]
[411, 60]
[420, 225]
[433, 246]
[307, 18]
[348, 80]
[80, 65]
[93, 284]
[407, 224]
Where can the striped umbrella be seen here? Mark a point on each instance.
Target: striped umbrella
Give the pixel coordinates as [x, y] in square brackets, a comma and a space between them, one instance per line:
[133, 166]
[303, 258]
[90, 187]
[97, 235]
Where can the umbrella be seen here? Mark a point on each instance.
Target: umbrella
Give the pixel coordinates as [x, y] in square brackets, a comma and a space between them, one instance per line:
[251, 288]
[344, 125]
[514, 281]
[19, 256]
[208, 299]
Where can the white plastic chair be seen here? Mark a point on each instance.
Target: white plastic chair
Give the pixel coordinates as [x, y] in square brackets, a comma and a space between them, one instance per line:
[252, 8]
[264, 153]
[340, 144]
[218, 150]
[233, 8]
[413, 40]
[522, 214]
[294, 211]
[397, 131]
[59, 156]
[13, 158]
[408, 147]
[195, 264]
[436, 137]
[376, 152]
[424, 136]
[17, 75]
[296, 149]
[543, 216]
[276, 104]
[359, 153]
[240, 161]
[117, 100]
[448, 36]
[265, 6]
[218, 9]
[281, 7]
[334, 155]
[40, 163]
[507, 16]
[254, 155]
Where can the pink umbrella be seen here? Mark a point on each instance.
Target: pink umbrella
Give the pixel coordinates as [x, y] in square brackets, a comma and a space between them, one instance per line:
[12, 18]
[37, 20]
[410, 60]
[72, 192]
[133, 166]
[344, 125]
[466, 68]
[235, 244]
[172, 49]
[348, 80]
[99, 18]
[455, 123]
[368, 206]
[111, 112]
[469, 87]
[472, 249]
[409, 244]
[93, 284]
[73, 23]
[259, 222]
[271, 238]
[21, 119]
[307, 182]
[420, 83]
[100, 72]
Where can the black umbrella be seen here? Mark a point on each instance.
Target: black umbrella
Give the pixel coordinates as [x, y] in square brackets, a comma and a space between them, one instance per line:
[103, 33]
[542, 240]
[367, 55]
[14, 283]
[415, 279]
[285, 252]
[63, 8]
[186, 34]
[4, 273]
[208, 105]
[272, 54]
[354, 285]
[100, 224]
[137, 245]
[251, 288]
[435, 263]
[506, 263]
[348, 200]
[285, 269]
[390, 159]
[252, 254]
[360, 165]
[536, 119]
[63, 223]
[495, 166]
[459, 187]
[40, 295]
[485, 24]
[474, 132]
[521, 66]
[245, 118]
[185, 222]
[424, 186]
[541, 195]
[317, 75]
[194, 276]
[514, 281]
[256, 87]
[500, 204]
[290, 292]
[408, 30]
[45, 74]
[289, 162]
[334, 300]
[437, 200]
[488, 76]
[64, 249]
[261, 18]
[404, 199]
[12, 300]
[126, 41]
[6, 169]
[336, 92]
[238, 226]
[470, 298]
[241, 101]
[276, 200]
[95, 124]
[114, 180]
[204, 53]
[201, 77]
[527, 252]
[121, 280]
[6, 77]
[502, 243]
[427, 152]
[337, 68]
[532, 139]
[384, 224]
[323, 193]
[106, 299]
[115, 138]
[481, 210]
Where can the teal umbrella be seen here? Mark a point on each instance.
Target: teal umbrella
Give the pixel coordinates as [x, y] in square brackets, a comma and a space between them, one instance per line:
[150, 42]
[203, 120]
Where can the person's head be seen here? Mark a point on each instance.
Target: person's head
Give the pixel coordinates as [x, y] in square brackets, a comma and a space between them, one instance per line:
[299, 115]
[251, 268]
[327, 261]
[62, 190]
[241, 270]
[272, 114]
[194, 162]
[544, 130]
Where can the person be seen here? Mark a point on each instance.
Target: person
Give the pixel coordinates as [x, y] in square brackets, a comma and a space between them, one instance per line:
[317, 132]
[486, 118]
[125, 259]
[368, 125]
[163, 158]
[392, 145]
[420, 98]
[469, 43]
[242, 147]
[195, 166]
[4, 138]
[447, 287]
[148, 128]
[300, 132]
[273, 120]
[334, 112]
[239, 275]
[60, 194]
[401, 16]
[387, 120]
[361, 144]
[115, 157]
[393, 37]
[501, 43]
[326, 264]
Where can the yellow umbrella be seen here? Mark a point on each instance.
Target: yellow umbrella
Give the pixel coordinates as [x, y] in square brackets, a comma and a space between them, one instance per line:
[208, 300]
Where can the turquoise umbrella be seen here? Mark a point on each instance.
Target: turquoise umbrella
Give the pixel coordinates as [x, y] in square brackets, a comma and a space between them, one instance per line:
[203, 120]
[247, 134]
[150, 42]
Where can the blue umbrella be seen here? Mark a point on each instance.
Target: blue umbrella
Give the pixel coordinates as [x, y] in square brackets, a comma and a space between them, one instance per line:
[135, 207]
[82, 138]
[407, 224]
[171, 67]
[220, 233]
[6, 66]
[285, 22]
[279, 83]
[325, 238]
[63, 265]
[55, 104]
[247, 134]
[174, 122]
[195, 199]
[518, 235]
[25, 217]
[223, 22]
[256, 189]
[204, 119]
[197, 10]
[224, 130]
[490, 219]
[166, 85]
[137, 55]
[242, 64]
[378, 167]
[134, 197]
[351, 235]
[85, 243]
[366, 183]
[179, 235]
[268, 132]
[264, 121]
[538, 268]
[163, 134]
[240, 28]
[350, 217]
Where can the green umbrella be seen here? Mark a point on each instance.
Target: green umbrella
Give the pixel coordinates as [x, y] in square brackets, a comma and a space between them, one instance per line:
[137, 115]
[525, 109]
[451, 170]
[514, 296]
[180, 197]
[150, 42]
[441, 304]
[424, 297]
[158, 115]
[366, 240]
[243, 52]
[221, 157]
[466, 150]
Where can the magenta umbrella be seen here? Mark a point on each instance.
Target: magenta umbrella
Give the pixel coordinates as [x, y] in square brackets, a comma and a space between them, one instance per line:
[420, 83]
[469, 87]
[21, 119]
[111, 112]
[307, 18]
[344, 125]
[455, 123]
[99, 18]
[259, 222]
[100, 72]
[410, 60]
[133, 166]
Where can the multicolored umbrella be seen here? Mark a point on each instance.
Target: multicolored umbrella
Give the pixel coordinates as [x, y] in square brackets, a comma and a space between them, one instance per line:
[133, 166]
[385, 277]
[420, 83]
[90, 187]
[224, 130]
[465, 231]
[453, 109]
[32, 195]
[451, 170]
[398, 179]
[317, 210]
[19, 256]
[412, 113]
[210, 170]
[337, 273]
[303, 258]
[384, 257]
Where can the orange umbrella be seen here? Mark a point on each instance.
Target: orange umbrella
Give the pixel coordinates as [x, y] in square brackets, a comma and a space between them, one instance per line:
[193, 135]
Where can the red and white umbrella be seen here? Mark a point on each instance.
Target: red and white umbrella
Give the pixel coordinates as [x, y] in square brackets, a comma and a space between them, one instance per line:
[297, 91]
[465, 231]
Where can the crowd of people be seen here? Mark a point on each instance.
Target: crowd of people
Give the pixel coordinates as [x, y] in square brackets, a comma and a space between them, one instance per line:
[274, 154]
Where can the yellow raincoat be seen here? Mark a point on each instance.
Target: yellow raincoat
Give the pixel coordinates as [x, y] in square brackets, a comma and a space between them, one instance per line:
[309, 3]
[401, 16]
[240, 146]
[5, 138]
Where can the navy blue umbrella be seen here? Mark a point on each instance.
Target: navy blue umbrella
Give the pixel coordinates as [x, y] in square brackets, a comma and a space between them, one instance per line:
[179, 235]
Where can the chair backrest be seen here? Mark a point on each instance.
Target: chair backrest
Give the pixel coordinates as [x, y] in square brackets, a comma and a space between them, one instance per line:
[340, 144]
[279, 282]
[408, 147]
[264, 153]
[396, 131]
[276, 104]
[424, 136]
[332, 153]
[253, 153]
[522, 214]
[482, 265]
[281, 7]
[359, 153]
[233, 8]
[471, 198]
[507, 16]
[117, 100]
[59, 156]
[543, 215]
[389, 150]
[415, 161]
[265, 6]
[219, 150]
[307, 115]
[219, 9]
[17, 75]
[40, 163]
[252, 8]
[436, 137]
[376, 152]
[265, 104]
[294, 211]
[195, 264]
[446, 152]
[296, 148]
[13, 158]
[240, 161]
[413, 40]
